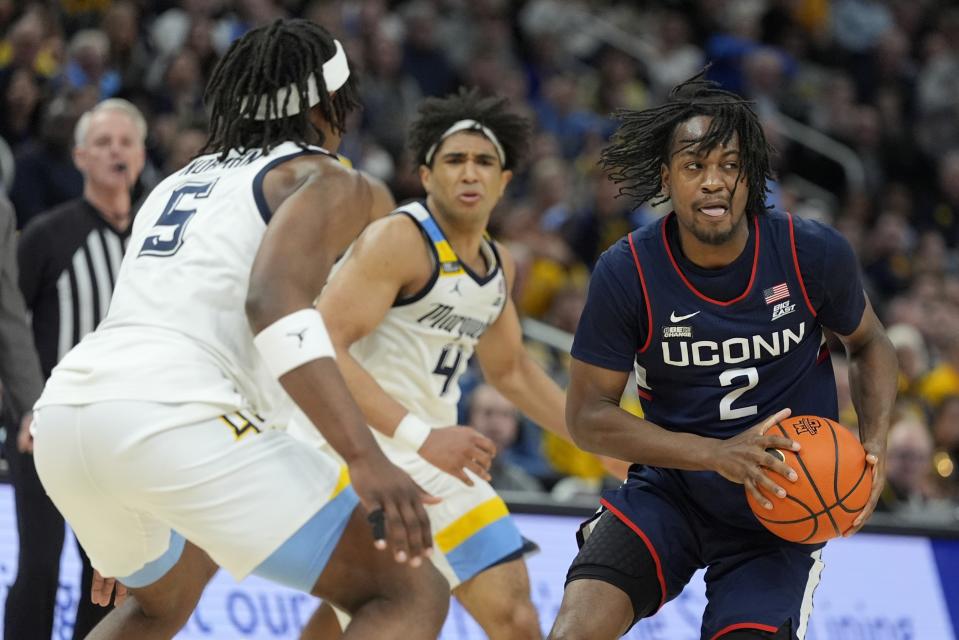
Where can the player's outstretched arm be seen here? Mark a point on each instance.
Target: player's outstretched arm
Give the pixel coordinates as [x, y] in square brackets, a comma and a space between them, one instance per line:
[508, 366]
[873, 372]
[388, 259]
[318, 208]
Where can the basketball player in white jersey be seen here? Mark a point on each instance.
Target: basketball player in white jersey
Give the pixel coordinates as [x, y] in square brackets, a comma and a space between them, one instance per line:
[421, 291]
[149, 436]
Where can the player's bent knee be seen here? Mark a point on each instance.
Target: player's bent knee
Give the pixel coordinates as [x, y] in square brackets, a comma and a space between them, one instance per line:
[515, 619]
[615, 555]
[525, 621]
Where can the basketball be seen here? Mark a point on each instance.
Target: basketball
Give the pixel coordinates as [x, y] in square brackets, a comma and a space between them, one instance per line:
[833, 486]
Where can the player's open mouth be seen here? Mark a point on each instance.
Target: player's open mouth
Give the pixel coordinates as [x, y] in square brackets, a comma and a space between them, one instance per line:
[120, 167]
[469, 197]
[714, 211]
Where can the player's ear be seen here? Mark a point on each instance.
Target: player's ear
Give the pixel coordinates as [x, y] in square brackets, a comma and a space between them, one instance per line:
[505, 178]
[664, 180]
[426, 177]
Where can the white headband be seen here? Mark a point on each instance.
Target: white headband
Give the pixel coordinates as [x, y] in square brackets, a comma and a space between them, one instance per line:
[336, 71]
[471, 125]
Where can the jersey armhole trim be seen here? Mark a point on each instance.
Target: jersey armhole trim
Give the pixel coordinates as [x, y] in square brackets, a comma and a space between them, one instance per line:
[642, 283]
[419, 295]
[258, 196]
[802, 283]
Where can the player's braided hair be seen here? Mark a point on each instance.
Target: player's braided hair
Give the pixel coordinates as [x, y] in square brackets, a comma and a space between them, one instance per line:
[644, 138]
[436, 115]
[259, 64]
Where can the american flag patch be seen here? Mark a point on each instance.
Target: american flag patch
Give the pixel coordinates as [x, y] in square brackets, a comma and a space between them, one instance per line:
[773, 294]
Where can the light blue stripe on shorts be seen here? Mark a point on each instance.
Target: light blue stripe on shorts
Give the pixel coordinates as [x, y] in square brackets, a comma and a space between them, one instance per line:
[299, 561]
[153, 571]
[485, 548]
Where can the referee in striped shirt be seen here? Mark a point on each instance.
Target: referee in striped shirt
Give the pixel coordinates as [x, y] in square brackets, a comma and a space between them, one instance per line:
[69, 258]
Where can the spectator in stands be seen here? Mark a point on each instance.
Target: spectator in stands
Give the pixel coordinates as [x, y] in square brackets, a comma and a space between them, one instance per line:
[945, 435]
[69, 258]
[943, 214]
[423, 59]
[186, 145]
[20, 94]
[909, 489]
[25, 46]
[129, 52]
[45, 173]
[496, 417]
[913, 358]
[605, 219]
[89, 64]
[943, 379]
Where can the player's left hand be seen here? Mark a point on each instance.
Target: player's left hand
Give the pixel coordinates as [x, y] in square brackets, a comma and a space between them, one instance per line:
[24, 438]
[456, 449]
[102, 590]
[875, 456]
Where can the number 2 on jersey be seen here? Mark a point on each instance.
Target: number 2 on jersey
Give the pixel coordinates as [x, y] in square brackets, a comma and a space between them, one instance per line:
[166, 236]
[446, 369]
[726, 411]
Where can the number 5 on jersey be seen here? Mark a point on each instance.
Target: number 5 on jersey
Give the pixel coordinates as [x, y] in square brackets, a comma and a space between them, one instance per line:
[166, 236]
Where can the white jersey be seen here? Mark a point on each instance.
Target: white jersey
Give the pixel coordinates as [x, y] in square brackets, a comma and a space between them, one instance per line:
[176, 331]
[421, 348]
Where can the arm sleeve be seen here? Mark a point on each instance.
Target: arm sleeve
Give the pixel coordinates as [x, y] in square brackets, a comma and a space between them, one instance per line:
[19, 364]
[610, 328]
[832, 276]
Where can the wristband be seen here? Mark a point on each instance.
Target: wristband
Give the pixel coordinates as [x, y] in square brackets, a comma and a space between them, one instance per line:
[412, 432]
[293, 340]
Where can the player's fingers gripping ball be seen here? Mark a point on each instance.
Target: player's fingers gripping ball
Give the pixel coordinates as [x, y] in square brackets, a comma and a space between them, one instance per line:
[833, 487]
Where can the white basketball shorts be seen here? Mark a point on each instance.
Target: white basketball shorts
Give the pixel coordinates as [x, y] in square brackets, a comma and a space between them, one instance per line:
[132, 477]
[472, 528]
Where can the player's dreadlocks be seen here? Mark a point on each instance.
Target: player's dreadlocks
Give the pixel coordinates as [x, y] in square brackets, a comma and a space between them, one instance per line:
[644, 139]
[436, 115]
[254, 69]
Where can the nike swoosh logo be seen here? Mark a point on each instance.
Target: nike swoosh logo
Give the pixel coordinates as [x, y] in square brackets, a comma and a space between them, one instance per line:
[674, 318]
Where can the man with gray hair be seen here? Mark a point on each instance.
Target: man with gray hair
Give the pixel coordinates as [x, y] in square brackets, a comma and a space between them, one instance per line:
[69, 258]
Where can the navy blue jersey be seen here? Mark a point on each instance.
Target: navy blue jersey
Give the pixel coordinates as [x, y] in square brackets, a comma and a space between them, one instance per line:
[716, 351]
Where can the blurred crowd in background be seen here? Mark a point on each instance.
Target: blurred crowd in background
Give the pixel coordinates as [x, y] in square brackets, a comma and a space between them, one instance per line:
[859, 97]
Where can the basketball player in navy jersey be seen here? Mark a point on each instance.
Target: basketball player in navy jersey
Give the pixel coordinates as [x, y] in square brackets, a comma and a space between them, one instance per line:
[720, 309]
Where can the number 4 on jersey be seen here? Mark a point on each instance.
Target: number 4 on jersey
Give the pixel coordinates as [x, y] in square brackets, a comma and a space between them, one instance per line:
[448, 370]
[166, 236]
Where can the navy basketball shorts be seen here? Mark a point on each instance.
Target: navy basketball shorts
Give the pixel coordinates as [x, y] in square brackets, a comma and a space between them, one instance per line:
[653, 534]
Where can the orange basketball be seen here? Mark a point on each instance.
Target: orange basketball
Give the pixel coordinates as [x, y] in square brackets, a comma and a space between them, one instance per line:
[833, 486]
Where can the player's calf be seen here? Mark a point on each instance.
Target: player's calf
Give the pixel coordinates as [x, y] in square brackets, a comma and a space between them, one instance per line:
[160, 609]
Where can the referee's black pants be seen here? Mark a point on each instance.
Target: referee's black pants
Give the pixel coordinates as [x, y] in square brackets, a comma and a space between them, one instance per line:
[32, 599]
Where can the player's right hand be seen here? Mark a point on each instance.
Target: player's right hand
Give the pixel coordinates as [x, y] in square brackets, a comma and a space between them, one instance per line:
[382, 486]
[741, 459]
[102, 590]
[455, 449]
